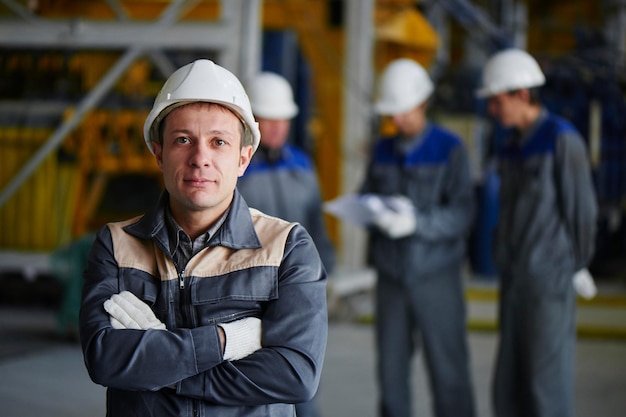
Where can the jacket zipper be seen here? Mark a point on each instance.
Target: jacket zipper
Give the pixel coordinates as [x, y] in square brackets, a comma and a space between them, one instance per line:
[181, 280]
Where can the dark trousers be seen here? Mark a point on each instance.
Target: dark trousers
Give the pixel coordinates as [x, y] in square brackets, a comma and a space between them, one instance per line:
[431, 308]
[534, 368]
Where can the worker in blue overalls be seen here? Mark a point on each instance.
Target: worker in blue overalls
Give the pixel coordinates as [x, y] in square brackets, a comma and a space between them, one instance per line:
[544, 237]
[417, 247]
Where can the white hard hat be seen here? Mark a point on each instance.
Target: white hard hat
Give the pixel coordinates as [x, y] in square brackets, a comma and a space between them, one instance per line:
[271, 96]
[404, 84]
[508, 70]
[205, 81]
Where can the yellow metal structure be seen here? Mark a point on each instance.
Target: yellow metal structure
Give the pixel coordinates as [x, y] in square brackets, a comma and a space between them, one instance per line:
[57, 203]
[407, 34]
[40, 213]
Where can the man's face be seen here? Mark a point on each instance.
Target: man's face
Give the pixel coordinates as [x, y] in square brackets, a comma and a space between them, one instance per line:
[201, 158]
[273, 132]
[505, 107]
[411, 122]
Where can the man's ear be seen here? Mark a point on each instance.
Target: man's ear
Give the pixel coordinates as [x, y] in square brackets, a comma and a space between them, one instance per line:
[244, 158]
[158, 153]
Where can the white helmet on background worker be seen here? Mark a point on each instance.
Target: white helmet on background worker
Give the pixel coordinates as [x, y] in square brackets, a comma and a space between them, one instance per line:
[404, 84]
[271, 96]
[205, 81]
[509, 70]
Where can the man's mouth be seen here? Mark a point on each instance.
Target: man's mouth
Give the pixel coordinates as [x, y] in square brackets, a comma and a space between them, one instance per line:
[197, 182]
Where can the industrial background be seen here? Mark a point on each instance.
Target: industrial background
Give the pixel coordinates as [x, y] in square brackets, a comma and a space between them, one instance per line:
[77, 79]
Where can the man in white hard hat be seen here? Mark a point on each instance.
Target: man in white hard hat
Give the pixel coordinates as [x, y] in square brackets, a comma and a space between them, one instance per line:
[203, 306]
[545, 234]
[417, 247]
[281, 180]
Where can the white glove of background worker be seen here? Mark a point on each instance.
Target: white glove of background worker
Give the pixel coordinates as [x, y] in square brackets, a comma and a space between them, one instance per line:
[129, 312]
[398, 220]
[243, 337]
[584, 284]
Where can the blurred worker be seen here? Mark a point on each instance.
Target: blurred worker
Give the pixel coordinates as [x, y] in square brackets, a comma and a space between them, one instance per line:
[281, 180]
[203, 307]
[418, 247]
[545, 234]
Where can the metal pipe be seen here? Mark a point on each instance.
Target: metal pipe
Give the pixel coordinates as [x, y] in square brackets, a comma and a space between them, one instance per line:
[358, 76]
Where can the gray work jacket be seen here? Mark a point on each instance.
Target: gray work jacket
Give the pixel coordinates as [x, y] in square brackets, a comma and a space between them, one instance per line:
[435, 175]
[255, 265]
[548, 208]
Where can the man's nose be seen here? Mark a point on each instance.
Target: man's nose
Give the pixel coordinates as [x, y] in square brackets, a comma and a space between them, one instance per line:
[200, 155]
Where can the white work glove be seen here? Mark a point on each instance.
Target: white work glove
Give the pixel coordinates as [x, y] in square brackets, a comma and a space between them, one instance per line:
[243, 337]
[584, 284]
[129, 312]
[399, 219]
[401, 204]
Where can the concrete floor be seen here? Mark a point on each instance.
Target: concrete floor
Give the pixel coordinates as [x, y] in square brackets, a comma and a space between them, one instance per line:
[348, 385]
[43, 375]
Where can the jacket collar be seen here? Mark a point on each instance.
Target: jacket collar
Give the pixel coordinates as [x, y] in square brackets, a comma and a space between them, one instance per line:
[237, 232]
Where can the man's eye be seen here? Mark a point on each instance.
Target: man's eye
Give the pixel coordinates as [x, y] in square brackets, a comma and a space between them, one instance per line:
[220, 142]
[182, 139]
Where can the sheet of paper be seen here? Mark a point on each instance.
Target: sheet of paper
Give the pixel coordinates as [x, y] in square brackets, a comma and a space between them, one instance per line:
[353, 208]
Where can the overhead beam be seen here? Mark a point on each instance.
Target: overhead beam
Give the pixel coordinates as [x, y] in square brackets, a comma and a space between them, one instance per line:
[88, 34]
